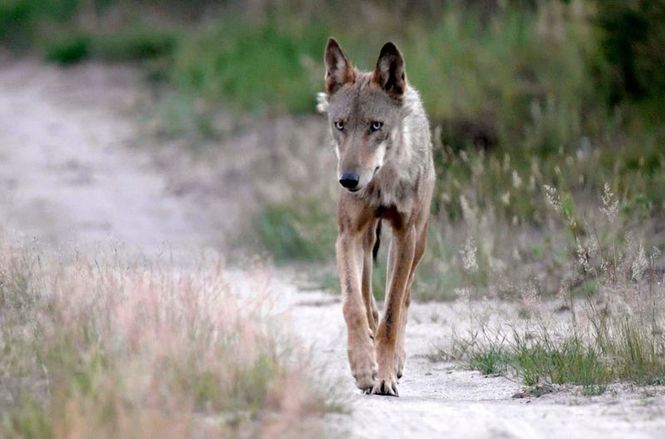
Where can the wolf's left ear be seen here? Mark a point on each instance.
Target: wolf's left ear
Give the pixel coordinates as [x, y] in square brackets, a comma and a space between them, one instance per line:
[390, 73]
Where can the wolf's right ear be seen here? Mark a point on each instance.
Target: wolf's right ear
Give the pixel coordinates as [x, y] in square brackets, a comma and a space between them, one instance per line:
[339, 70]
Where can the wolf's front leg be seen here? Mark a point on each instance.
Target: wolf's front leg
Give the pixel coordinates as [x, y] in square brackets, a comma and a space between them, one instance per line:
[421, 244]
[360, 337]
[369, 239]
[389, 328]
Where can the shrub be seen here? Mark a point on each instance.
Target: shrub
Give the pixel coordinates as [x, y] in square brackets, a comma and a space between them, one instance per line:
[632, 42]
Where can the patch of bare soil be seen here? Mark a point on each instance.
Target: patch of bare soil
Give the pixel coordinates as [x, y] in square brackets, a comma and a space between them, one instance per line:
[72, 174]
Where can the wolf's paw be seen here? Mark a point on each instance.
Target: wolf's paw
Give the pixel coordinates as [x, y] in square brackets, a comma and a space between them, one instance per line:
[363, 367]
[386, 386]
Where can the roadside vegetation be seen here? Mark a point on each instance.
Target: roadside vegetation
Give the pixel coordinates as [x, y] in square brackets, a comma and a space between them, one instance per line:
[549, 147]
[104, 348]
[605, 324]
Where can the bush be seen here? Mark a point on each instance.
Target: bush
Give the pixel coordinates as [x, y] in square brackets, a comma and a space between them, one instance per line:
[633, 44]
[21, 20]
[130, 45]
[69, 50]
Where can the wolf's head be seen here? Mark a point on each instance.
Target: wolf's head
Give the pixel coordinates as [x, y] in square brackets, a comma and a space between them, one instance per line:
[363, 111]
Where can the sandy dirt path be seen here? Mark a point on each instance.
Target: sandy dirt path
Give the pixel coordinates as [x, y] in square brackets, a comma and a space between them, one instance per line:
[72, 175]
[71, 168]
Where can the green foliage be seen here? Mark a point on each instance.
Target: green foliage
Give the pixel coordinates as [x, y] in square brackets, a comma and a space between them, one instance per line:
[135, 44]
[632, 42]
[298, 231]
[15, 22]
[69, 50]
[130, 45]
[21, 20]
[495, 78]
[570, 361]
[490, 361]
[266, 66]
[540, 360]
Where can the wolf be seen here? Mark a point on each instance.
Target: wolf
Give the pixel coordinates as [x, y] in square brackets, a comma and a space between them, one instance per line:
[381, 136]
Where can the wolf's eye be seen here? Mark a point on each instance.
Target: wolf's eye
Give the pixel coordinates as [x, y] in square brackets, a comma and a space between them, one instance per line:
[339, 125]
[375, 126]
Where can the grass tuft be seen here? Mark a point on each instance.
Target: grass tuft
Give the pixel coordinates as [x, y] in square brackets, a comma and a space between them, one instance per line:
[490, 362]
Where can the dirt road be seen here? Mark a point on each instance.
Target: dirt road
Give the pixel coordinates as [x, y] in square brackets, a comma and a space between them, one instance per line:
[72, 175]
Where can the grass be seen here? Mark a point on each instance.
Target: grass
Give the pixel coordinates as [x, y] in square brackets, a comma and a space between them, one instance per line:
[103, 348]
[586, 257]
[612, 332]
[57, 29]
[270, 66]
[490, 362]
[541, 360]
[306, 233]
[20, 20]
[129, 45]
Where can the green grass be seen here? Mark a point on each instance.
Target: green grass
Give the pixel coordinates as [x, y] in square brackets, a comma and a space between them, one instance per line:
[301, 231]
[21, 21]
[128, 45]
[266, 67]
[570, 361]
[490, 362]
[540, 359]
[69, 50]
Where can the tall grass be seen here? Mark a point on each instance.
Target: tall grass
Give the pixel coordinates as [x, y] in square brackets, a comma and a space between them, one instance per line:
[269, 66]
[102, 348]
[613, 331]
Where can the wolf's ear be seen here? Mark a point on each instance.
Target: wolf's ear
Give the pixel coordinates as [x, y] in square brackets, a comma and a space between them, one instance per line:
[339, 70]
[390, 73]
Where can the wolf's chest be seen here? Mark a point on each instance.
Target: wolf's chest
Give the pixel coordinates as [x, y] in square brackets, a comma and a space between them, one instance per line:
[386, 194]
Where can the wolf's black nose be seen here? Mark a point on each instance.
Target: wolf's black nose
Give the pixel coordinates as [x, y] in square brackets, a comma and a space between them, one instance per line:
[349, 180]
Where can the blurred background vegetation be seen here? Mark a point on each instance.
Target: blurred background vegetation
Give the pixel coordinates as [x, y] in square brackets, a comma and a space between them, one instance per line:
[522, 95]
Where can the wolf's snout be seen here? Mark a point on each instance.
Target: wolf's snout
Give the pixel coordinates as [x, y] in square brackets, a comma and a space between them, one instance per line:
[349, 180]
